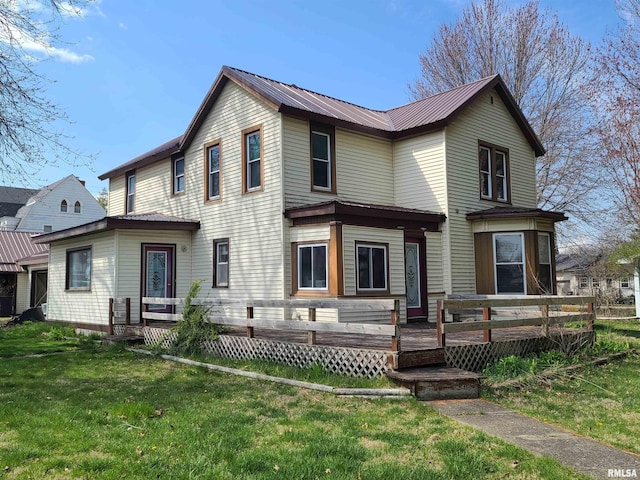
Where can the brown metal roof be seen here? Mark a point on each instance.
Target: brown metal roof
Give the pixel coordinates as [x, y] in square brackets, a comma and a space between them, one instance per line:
[15, 246]
[513, 212]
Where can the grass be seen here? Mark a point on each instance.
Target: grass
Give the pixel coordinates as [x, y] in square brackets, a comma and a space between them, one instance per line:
[600, 402]
[108, 413]
[38, 338]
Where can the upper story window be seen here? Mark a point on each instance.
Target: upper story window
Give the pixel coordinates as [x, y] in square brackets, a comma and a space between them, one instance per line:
[212, 170]
[372, 267]
[47, 228]
[252, 165]
[130, 191]
[63, 206]
[493, 164]
[583, 282]
[624, 282]
[178, 175]
[77, 207]
[323, 173]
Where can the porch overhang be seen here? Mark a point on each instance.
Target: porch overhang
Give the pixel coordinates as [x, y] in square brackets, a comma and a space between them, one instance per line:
[364, 214]
[496, 213]
[151, 221]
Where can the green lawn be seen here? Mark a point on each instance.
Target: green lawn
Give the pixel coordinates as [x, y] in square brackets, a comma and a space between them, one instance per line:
[38, 338]
[601, 402]
[109, 413]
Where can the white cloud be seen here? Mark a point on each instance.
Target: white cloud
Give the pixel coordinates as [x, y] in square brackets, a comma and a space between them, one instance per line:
[123, 26]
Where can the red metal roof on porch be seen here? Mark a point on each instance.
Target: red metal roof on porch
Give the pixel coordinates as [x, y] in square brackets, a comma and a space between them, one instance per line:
[15, 246]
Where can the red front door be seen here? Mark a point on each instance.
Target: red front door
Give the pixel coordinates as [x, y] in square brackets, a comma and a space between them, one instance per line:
[415, 278]
[158, 275]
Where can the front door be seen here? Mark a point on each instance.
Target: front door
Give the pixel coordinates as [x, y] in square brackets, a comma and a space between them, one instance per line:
[158, 275]
[415, 279]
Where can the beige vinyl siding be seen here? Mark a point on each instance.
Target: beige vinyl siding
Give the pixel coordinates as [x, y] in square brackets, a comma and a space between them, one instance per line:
[435, 272]
[420, 172]
[116, 204]
[82, 306]
[395, 240]
[488, 122]
[364, 167]
[310, 233]
[23, 292]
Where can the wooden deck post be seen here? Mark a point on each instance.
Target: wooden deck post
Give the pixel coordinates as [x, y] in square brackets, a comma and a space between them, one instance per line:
[249, 327]
[439, 320]
[592, 315]
[486, 316]
[395, 340]
[545, 315]
[311, 334]
[145, 309]
[110, 316]
[127, 306]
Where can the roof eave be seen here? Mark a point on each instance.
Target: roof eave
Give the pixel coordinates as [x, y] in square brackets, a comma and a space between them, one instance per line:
[548, 215]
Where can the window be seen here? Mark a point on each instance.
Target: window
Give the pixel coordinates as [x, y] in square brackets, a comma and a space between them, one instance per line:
[595, 282]
[212, 169]
[583, 282]
[624, 282]
[221, 262]
[47, 228]
[78, 272]
[63, 206]
[544, 263]
[130, 191]
[493, 164]
[508, 252]
[77, 208]
[252, 155]
[312, 267]
[322, 158]
[609, 283]
[372, 267]
[178, 175]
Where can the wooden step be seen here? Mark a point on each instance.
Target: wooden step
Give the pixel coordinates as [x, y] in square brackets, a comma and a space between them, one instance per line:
[438, 382]
[418, 358]
[129, 339]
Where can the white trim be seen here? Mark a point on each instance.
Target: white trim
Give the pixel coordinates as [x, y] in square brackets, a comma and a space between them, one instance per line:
[327, 161]
[177, 176]
[248, 160]
[211, 172]
[326, 266]
[219, 263]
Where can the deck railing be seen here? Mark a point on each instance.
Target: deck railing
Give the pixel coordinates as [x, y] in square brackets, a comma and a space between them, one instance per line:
[311, 326]
[546, 318]
[119, 312]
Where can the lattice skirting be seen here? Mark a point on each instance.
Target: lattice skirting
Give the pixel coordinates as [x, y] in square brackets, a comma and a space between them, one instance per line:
[477, 356]
[342, 361]
[118, 329]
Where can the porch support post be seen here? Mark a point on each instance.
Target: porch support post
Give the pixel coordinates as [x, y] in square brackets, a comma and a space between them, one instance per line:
[110, 316]
[249, 327]
[592, 315]
[127, 306]
[439, 320]
[395, 341]
[486, 316]
[145, 309]
[311, 334]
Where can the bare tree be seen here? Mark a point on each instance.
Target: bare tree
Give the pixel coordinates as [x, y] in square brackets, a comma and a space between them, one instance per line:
[30, 124]
[544, 67]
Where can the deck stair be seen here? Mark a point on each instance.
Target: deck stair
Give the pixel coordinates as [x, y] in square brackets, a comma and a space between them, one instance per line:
[133, 334]
[426, 374]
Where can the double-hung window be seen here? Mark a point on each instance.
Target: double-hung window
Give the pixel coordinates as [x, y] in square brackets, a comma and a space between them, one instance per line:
[78, 269]
[221, 262]
[544, 263]
[178, 175]
[212, 166]
[312, 267]
[583, 282]
[130, 191]
[624, 282]
[252, 159]
[372, 267]
[493, 165]
[322, 157]
[508, 252]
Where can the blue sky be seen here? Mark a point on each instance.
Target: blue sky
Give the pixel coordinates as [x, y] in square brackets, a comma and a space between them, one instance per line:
[132, 73]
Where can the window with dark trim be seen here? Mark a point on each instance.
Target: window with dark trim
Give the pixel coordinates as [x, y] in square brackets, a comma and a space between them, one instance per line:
[77, 207]
[130, 193]
[63, 206]
[323, 169]
[313, 267]
[493, 165]
[372, 272]
[78, 269]
[178, 175]
[509, 263]
[212, 162]
[544, 263]
[252, 164]
[221, 262]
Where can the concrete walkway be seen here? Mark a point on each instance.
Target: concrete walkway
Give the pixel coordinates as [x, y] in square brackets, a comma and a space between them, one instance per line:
[586, 456]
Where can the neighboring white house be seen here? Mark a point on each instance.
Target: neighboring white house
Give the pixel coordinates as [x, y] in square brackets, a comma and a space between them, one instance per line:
[278, 192]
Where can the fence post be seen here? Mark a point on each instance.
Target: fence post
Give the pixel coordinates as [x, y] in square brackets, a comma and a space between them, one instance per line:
[486, 316]
[592, 314]
[545, 315]
[311, 334]
[127, 306]
[110, 316]
[439, 320]
[249, 327]
[395, 340]
[145, 309]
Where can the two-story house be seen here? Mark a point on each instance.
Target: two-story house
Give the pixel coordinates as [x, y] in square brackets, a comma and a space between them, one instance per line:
[275, 192]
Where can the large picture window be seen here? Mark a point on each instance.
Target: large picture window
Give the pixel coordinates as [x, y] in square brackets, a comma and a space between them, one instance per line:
[493, 165]
[221, 262]
[78, 269]
[312, 267]
[544, 263]
[372, 267]
[178, 176]
[508, 252]
[130, 191]
[252, 164]
[323, 176]
[212, 165]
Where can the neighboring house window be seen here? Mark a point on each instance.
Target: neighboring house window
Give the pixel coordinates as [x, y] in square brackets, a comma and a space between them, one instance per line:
[221, 262]
[78, 271]
[544, 259]
[508, 252]
[595, 282]
[63, 206]
[252, 159]
[77, 208]
[624, 282]
[212, 168]
[322, 158]
[609, 283]
[312, 267]
[493, 164]
[583, 282]
[131, 191]
[47, 228]
[372, 267]
[178, 175]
